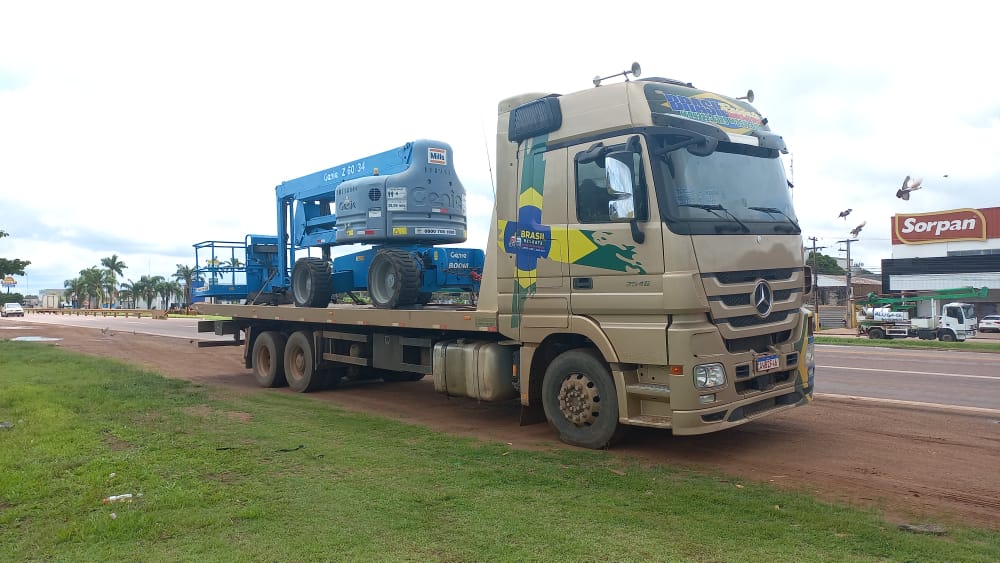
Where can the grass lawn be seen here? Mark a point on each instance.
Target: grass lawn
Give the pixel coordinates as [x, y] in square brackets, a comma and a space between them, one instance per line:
[968, 345]
[282, 477]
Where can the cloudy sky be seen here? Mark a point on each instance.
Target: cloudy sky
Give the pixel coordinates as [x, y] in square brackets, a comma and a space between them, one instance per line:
[141, 128]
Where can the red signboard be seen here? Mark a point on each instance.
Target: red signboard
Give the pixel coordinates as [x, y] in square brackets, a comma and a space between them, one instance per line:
[946, 226]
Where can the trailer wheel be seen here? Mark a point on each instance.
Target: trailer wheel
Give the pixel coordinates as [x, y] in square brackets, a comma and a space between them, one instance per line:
[268, 359]
[876, 334]
[947, 336]
[393, 279]
[312, 282]
[580, 401]
[300, 363]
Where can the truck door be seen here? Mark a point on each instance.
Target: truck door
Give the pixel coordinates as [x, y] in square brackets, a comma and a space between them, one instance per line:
[615, 243]
[541, 291]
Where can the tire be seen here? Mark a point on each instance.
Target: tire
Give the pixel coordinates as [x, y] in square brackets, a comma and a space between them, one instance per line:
[876, 334]
[300, 364]
[580, 401]
[268, 359]
[424, 297]
[393, 279]
[947, 336]
[312, 282]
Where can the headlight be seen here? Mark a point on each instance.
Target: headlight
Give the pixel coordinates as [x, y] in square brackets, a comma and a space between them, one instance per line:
[709, 375]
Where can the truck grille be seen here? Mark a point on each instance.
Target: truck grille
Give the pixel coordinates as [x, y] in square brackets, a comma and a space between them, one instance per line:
[730, 307]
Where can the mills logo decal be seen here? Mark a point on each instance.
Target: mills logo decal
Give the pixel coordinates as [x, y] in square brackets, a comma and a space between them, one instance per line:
[437, 156]
[941, 226]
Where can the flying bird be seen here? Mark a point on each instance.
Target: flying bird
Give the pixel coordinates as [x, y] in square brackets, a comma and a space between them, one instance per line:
[857, 230]
[845, 213]
[903, 193]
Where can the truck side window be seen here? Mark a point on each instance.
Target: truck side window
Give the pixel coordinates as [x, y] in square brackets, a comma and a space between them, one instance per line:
[596, 202]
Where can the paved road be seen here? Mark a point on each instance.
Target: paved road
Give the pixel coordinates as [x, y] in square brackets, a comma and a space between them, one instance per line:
[176, 328]
[944, 377]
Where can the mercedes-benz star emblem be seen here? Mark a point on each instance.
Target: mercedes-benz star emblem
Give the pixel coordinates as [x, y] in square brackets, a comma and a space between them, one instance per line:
[762, 298]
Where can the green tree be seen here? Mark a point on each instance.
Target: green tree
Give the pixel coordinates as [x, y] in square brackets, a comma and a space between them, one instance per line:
[75, 287]
[149, 288]
[115, 268]
[825, 264]
[93, 283]
[185, 274]
[166, 290]
[12, 266]
[232, 265]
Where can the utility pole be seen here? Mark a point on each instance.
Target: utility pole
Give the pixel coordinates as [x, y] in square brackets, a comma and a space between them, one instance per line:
[850, 291]
[815, 280]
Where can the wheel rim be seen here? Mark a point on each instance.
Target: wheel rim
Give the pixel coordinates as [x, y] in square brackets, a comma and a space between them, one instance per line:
[579, 400]
[264, 359]
[384, 276]
[298, 364]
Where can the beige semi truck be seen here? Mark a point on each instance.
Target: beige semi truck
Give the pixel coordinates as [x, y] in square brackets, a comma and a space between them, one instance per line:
[644, 268]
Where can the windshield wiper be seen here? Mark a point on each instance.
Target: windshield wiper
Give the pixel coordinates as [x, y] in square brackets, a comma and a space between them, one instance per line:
[714, 208]
[772, 210]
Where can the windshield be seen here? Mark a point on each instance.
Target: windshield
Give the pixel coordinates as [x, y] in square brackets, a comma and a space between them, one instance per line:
[736, 188]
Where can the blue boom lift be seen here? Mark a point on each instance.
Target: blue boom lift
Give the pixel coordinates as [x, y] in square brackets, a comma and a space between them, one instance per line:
[402, 202]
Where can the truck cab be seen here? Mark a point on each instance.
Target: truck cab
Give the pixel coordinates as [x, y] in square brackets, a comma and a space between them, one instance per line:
[653, 221]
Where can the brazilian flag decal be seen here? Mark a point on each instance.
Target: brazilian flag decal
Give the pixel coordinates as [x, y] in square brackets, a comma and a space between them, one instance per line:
[529, 240]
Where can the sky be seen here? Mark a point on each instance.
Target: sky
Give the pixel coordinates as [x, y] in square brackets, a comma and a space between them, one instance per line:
[142, 128]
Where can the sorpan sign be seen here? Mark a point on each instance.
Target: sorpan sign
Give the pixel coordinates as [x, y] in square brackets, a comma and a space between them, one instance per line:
[941, 226]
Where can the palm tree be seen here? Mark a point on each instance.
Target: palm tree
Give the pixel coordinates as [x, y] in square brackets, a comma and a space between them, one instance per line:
[75, 289]
[115, 267]
[93, 282]
[232, 265]
[147, 288]
[185, 274]
[167, 289]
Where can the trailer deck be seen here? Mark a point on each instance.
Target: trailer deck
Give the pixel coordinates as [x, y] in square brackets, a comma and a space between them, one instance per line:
[436, 317]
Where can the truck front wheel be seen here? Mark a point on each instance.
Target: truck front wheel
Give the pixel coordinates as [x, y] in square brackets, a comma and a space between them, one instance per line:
[300, 363]
[947, 336]
[876, 334]
[580, 401]
[268, 359]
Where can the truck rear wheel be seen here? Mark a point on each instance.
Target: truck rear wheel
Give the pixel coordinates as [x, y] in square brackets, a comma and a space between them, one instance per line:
[876, 334]
[300, 363]
[312, 282]
[268, 359]
[580, 401]
[393, 279]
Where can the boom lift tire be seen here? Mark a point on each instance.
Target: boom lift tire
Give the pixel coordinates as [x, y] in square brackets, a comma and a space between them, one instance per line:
[268, 359]
[580, 401]
[312, 282]
[393, 279]
[300, 363]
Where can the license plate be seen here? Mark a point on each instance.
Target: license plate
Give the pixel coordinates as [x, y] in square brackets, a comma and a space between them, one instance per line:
[765, 363]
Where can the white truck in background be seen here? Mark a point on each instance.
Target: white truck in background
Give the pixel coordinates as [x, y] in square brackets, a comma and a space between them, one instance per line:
[895, 316]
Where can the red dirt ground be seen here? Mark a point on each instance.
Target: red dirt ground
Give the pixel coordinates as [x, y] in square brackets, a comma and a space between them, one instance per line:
[915, 466]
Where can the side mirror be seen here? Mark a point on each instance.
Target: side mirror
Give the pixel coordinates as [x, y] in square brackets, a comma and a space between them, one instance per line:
[618, 170]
